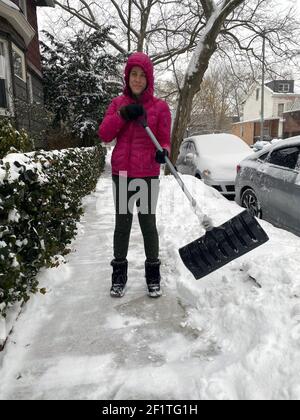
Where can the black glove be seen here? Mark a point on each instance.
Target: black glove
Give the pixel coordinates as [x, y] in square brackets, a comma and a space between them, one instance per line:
[132, 112]
[160, 157]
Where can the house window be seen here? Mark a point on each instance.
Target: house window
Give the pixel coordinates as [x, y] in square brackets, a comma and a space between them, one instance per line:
[23, 7]
[257, 93]
[6, 103]
[266, 130]
[19, 63]
[283, 87]
[3, 97]
[280, 110]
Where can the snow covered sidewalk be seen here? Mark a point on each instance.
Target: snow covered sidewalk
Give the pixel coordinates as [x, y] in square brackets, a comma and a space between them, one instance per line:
[222, 337]
[76, 342]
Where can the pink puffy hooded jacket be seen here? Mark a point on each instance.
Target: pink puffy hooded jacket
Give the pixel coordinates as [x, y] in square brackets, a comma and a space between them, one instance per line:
[134, 152]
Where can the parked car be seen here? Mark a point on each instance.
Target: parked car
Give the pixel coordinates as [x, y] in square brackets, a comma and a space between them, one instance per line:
[213, 158]
[268, 184]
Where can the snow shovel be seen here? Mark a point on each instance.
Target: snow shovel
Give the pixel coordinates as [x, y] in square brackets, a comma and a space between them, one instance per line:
[220, 245]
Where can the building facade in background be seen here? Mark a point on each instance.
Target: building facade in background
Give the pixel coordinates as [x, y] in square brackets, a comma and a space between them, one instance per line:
[21, 81]
[280, 98]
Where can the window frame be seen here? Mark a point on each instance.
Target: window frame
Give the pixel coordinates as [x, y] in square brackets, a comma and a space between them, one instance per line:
[30, 88]
[264, 157]
[21, 54]
[23, 8]
[9, 109]
[2, 76]
[280, 113]
[283, 85]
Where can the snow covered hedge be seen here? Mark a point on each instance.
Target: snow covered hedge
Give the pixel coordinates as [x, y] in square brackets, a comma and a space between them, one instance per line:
[10, 138]
[40, 203]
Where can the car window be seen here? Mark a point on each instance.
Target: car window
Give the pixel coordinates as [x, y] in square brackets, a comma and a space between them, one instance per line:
[287, 158]
[263, 157]
[186, 147]
[193, 149]
[298, 164]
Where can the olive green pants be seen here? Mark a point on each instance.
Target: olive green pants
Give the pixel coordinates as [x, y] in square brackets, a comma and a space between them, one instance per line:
[142, 192]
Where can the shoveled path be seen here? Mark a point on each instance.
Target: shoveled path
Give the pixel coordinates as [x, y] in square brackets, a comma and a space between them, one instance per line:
[76, 342]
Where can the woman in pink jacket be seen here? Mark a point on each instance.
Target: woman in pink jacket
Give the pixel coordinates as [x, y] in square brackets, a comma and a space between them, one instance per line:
[136, 167]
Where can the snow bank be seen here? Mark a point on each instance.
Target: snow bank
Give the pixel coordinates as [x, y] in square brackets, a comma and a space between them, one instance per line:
[247, 314]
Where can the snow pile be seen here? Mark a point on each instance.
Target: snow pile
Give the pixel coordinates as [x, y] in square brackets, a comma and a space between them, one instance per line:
[247, 314]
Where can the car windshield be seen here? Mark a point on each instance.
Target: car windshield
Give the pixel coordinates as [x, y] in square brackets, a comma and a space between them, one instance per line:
[216, 144]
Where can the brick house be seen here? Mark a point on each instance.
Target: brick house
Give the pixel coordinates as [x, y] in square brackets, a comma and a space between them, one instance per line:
[279, 98]
[21, 83]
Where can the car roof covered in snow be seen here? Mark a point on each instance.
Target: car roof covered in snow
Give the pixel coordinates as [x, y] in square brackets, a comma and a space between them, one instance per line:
[290, 142]
[219, 143]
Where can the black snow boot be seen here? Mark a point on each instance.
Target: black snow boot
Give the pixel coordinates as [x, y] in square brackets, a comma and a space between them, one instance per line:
[153, 278]
[119, 278]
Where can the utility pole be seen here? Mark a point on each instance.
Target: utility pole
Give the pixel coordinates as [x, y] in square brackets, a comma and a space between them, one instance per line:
[262, 112]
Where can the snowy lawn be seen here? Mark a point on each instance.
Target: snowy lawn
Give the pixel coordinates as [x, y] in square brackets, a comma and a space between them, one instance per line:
[232, 335]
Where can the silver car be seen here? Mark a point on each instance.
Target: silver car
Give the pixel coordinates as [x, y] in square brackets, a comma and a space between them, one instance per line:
[213, 159]
[268, 184]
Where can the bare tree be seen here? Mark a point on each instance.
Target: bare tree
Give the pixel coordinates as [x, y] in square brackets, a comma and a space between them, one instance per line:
[212, 107]
[234, 27]
[165, 29]
[207, 45]
[214, 104]
[170, 31]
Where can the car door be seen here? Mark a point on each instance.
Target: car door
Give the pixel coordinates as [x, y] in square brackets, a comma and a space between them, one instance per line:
[295, 201]
[254, 176]
[279, 178]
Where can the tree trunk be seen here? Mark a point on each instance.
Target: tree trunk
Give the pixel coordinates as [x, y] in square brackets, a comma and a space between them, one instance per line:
[185, 101]
[193, 78]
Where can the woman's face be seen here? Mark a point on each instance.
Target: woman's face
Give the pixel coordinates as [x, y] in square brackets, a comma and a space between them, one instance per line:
[137, 80]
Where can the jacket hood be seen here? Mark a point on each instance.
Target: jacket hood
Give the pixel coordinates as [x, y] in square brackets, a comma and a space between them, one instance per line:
[142, 60]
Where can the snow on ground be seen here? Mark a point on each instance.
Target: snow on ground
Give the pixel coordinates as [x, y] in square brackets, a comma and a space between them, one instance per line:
[254, 332]
[222, 337]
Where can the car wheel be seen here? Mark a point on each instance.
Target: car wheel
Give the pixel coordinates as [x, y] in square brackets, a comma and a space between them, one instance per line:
[251, 203]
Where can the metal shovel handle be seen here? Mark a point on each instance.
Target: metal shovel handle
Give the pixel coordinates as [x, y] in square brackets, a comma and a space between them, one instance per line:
[193, 202]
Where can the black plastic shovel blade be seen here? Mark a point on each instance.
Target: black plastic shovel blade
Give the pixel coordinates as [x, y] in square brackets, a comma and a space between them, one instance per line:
[223, 244]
